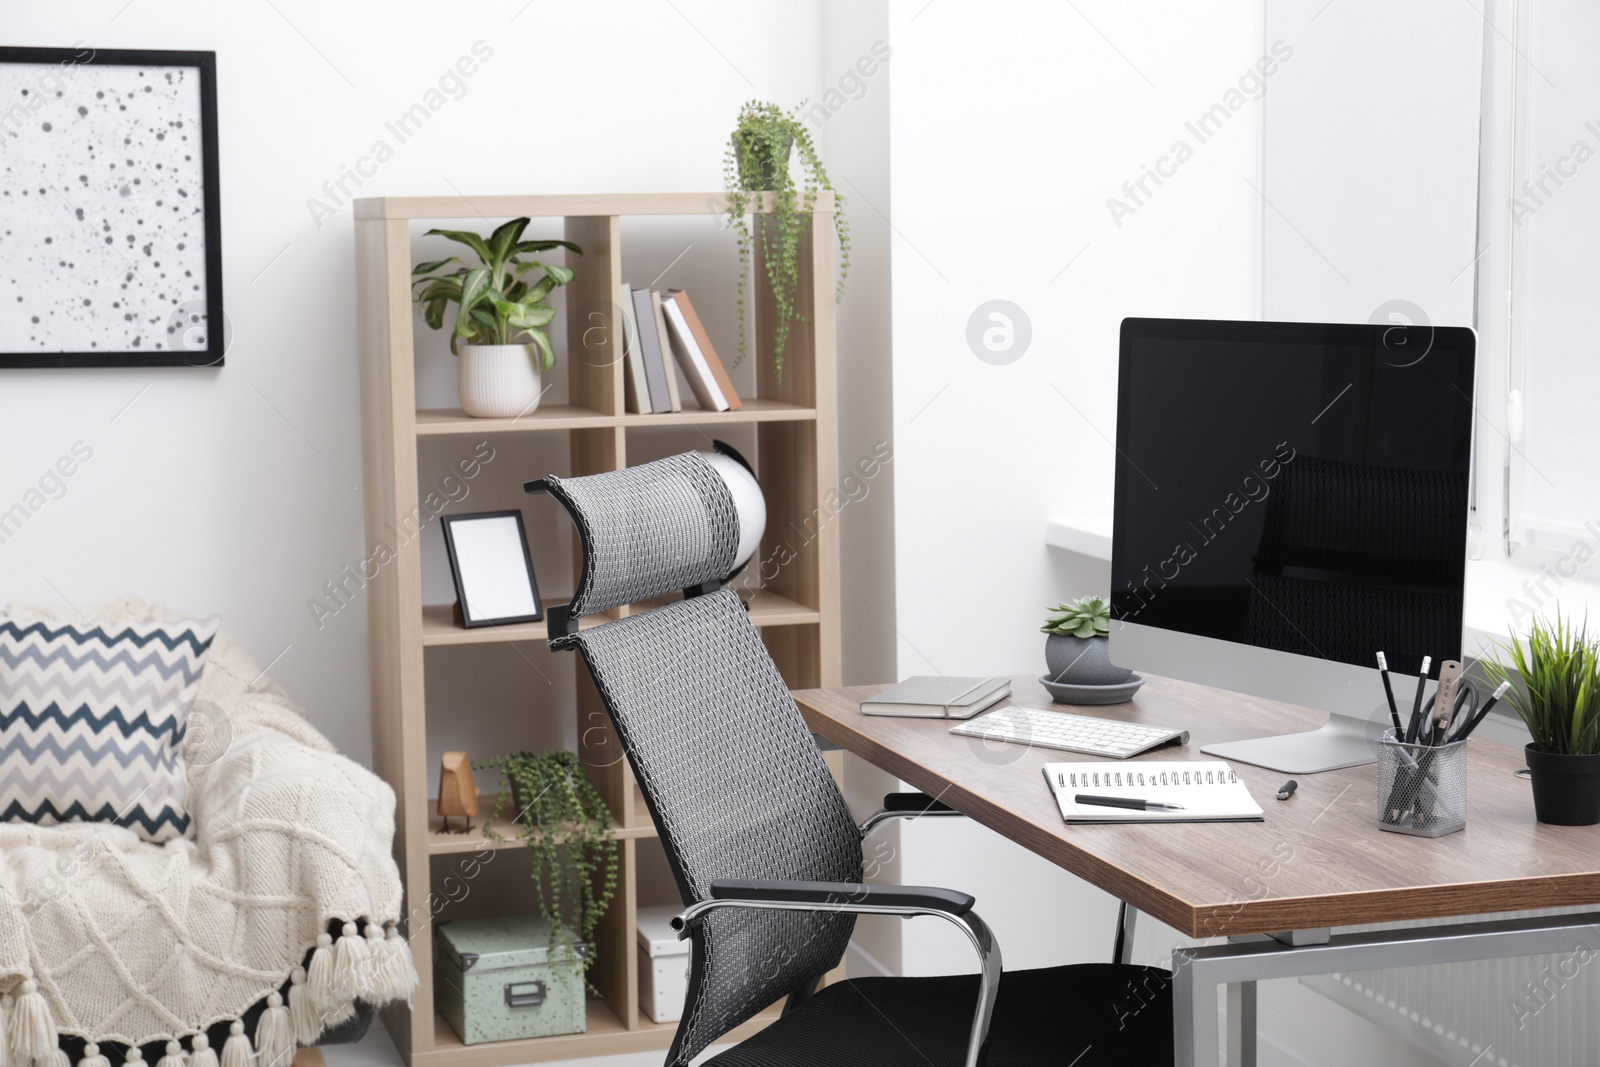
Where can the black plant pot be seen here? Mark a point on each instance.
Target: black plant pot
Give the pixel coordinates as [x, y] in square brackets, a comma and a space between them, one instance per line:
[1566, 789]
[758, 171]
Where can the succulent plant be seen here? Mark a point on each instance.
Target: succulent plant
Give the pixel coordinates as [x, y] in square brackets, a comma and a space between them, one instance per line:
[1088, 616]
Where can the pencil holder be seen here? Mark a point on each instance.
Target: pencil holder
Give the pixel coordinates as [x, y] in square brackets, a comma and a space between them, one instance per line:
[1422, 789]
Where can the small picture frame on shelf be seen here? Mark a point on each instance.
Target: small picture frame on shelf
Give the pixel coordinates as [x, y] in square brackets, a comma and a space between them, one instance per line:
[492, 568]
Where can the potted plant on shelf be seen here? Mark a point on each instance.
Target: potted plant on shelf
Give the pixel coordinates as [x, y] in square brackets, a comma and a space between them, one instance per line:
[1077, 650]
[1558, 698]
[498, 335]
[564, 822]
[757, 161]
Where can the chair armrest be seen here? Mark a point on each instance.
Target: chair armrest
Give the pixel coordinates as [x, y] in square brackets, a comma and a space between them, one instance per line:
[907, 806]
[851, 897]
[917, 803]
[927, 898]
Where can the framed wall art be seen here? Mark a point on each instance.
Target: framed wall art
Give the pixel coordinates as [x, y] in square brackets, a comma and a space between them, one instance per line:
[110, 229]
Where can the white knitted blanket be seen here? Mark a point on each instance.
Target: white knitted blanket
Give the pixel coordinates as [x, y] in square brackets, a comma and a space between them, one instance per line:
[110, 938]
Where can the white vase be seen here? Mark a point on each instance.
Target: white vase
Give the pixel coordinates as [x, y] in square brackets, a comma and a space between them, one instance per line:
[498, 381]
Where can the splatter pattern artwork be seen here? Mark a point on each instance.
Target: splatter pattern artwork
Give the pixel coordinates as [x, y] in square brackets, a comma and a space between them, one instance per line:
[102, 209]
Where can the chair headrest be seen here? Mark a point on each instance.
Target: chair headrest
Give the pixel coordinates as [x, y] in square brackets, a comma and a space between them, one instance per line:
[656, 528]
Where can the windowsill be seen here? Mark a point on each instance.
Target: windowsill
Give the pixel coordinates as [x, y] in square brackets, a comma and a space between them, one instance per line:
[1492, 584]
[1085, 535]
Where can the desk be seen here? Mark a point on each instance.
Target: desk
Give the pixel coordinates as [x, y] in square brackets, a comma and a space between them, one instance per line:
[1275, 889]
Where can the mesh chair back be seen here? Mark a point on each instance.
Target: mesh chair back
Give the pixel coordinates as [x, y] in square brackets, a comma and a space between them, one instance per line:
[731, 775]
[647, 530]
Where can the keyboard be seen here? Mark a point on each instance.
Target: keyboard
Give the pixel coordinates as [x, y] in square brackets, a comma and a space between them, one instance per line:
[1070, 733]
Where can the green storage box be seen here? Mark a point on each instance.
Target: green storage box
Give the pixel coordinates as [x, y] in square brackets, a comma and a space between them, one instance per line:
[493, 981]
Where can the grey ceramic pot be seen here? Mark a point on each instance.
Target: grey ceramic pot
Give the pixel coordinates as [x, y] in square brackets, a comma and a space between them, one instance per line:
[1082, 661]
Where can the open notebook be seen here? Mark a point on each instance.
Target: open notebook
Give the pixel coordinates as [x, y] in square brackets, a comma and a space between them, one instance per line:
[1208, 790]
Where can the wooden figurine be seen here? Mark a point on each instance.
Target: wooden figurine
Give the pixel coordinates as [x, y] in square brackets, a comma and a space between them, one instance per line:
[457, 795]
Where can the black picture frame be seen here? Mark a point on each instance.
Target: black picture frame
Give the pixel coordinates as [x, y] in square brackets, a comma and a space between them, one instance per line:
[211, 201]
[468, 620]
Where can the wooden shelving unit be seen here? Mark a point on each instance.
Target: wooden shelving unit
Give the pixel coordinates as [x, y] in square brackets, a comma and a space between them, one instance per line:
[795, 429]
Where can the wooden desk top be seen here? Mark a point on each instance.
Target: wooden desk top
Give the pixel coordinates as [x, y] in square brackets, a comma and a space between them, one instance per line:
[1318, 860]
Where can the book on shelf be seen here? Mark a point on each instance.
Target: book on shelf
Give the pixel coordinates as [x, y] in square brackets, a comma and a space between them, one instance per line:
[655, 370]
[707, 377]
[665, 341]
[635, 392]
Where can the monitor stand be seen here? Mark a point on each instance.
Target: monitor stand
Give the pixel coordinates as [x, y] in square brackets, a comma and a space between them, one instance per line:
[1345, 741]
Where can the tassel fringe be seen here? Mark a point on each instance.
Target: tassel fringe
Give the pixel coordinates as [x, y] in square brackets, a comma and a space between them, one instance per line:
[352, 964]
[302, 1013]
[368, 961]
[275, 1043]
[202, 1054]
[236, 1051]
[397, 973]
[319, 976]
[31, 1030]
[173, 1058]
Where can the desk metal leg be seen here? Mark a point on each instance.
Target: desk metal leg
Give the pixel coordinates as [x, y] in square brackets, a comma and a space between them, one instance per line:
[1194, 1012]
[1122, 948]
[1242, 1024]
[1198, 971]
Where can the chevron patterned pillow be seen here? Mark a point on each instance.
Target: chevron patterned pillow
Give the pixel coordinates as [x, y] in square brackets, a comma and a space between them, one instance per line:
[92, 722]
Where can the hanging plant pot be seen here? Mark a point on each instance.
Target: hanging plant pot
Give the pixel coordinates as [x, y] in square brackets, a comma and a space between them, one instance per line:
[759, 162]
[498, 381]
[1566, 789]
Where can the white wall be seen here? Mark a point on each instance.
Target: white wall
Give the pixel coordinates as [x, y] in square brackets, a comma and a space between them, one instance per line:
[1009, 136]
[238, 490]
[1371, 146]
[1001, 182]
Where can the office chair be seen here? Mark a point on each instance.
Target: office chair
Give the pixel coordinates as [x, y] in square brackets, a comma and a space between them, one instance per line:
[764, 851]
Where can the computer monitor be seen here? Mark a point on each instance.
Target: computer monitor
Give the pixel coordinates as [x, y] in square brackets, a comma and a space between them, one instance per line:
[1291, 499]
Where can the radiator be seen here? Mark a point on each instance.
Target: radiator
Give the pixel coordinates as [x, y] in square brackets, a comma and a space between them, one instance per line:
[1533, 1011]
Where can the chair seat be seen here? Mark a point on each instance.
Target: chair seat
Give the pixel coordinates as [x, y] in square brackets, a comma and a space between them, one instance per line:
[1085, 1015]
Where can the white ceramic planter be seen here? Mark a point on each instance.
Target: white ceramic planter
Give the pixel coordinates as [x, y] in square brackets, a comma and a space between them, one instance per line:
[498, 381]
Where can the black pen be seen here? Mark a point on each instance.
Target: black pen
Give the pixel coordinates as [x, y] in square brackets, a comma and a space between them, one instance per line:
[1133, 803]
[1388, 691]
[1416, 707]
[1472, 723]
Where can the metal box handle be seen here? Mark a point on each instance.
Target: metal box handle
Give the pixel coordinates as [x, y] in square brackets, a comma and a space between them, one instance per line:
[525, 999]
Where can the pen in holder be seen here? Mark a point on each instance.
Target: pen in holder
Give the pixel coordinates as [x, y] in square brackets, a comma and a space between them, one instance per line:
[1422, 789]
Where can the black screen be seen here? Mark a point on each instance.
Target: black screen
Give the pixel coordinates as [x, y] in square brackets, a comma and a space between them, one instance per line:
[1298, 487]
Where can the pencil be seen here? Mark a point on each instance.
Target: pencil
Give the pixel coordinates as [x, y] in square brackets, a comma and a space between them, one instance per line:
[1416, 706]
[1472, 723]
[1388, 691]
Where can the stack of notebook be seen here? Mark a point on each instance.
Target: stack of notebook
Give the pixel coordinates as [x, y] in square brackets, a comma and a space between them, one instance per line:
[660, 329]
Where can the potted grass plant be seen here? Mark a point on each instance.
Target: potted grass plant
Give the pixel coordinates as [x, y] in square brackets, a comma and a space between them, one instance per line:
[564, 822]
[1077, 650]
[498, 333]
[1555, 676]
[764, 140]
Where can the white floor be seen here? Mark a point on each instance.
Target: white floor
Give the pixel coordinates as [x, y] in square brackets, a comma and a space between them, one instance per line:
[376, 1050]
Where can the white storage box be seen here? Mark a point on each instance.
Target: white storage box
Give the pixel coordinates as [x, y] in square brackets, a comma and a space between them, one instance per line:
[663, 965]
